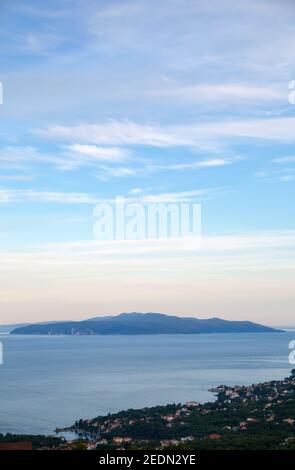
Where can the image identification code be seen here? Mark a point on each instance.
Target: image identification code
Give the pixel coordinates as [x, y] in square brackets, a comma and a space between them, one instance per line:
[149, 459]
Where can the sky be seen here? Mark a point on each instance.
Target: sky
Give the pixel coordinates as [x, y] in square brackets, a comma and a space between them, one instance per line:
[179, 100]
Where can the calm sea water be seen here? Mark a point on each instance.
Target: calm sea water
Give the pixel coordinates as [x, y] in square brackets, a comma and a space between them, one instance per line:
[51, 381]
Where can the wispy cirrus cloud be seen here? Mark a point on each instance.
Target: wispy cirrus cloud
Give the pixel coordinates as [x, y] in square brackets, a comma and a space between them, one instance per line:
[107, 172]
[64, 158]
[237, 244]
[207, 163]
[31, 195]
[107, 160]
[79, 155]
[178, 197]
[144, 196]
[116, 133]
[37, 196]
[195, 134]
[13, 156]
[221, 92]
[96, 154]
[152, 168]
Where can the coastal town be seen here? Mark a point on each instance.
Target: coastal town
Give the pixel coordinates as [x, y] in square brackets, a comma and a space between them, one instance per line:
[258, 416]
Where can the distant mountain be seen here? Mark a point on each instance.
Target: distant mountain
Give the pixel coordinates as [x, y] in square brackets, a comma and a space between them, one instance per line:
[142, 324]
[9, 328]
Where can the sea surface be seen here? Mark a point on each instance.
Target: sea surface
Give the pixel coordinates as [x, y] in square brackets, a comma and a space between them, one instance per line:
[50, 381]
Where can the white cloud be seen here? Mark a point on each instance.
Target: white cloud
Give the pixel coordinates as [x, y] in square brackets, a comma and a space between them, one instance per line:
[281, 129]
[18, 156]
[138, 196]
[236, 245]
[76, 155]
[129, 133]
[222, 92]
[119, 172]
[93, 153]
[11, 155]
[107, 172]
[136, 191]
[31, 195]
[68, 158]
[213, 162]
[116, 133]
[178, 197]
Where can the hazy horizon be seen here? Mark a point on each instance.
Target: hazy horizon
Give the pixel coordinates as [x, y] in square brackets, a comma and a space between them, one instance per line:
[200, 317]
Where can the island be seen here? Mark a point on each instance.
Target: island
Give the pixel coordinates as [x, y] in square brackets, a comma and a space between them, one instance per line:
[142, 324]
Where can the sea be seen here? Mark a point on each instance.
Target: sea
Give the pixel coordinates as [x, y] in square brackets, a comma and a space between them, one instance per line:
[51, 381]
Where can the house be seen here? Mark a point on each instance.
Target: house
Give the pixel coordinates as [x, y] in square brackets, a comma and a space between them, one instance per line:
[192, 404]
[117, 440]
[243, 425]
[289, 421]
[169, 442]
[252, 420]
[91, 446]
[187, 439]
[169, 418]
[214, 436]
[16, 446]
[122, 440]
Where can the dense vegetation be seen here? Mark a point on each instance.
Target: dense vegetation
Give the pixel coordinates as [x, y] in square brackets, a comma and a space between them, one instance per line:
[257, 417]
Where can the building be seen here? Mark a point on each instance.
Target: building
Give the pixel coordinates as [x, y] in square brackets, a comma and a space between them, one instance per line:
[16, 446]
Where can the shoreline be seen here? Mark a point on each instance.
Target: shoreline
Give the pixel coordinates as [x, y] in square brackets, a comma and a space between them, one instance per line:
[224, 394]
[264, 411]
[242, 364]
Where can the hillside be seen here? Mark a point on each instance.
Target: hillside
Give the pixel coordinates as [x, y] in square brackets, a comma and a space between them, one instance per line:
[254, 417]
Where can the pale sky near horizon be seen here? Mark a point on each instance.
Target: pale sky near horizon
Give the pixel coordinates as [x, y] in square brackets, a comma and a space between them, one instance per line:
[177, 100]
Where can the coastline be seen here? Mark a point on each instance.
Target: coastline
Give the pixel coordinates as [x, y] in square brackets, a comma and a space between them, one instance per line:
[230, 396]
[264, 412]
[97, 375]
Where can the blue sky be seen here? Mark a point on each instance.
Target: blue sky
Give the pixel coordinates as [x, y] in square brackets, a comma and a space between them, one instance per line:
[182, 99]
